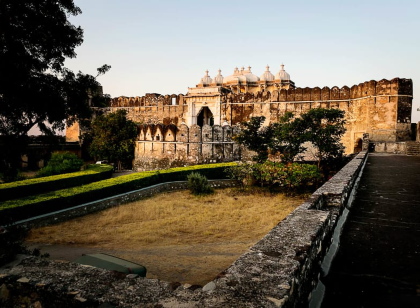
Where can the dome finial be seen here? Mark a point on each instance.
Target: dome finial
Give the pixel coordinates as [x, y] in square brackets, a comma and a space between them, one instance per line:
[220, 71]
[207, 73]
[249, 68]
[267, 68]
[282, 67]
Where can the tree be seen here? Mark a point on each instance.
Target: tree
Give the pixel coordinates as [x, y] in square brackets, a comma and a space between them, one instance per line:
[255, 138]
[325, 127]
[113, 137]
[35, 87]
[322, 127]
[288, 137]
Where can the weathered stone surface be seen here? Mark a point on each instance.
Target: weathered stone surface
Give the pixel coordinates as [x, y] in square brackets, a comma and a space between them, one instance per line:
[278, 271]
[381, 109]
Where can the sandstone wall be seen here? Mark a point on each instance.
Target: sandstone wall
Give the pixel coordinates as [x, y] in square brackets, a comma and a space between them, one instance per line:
[381, 109]
[280, 270]
[165, 146]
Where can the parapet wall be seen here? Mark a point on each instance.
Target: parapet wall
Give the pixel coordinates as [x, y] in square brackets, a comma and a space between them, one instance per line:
[381, 109]
[166, 146]
[280, 270]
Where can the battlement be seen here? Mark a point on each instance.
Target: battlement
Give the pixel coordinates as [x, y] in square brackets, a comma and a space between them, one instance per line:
[394, 87]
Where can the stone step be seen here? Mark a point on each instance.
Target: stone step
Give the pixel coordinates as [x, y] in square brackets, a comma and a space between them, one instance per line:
[413, 148]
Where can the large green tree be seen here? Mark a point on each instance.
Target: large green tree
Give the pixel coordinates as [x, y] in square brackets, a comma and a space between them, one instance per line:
[113, 138]
[322, 127]
[255, 137]
[325, 127]
[35, 88]
[288, 137]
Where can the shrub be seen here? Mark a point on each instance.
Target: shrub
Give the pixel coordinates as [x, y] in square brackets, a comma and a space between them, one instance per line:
[34, 186]
[242, 173]
[61, 163]
[60, 199]
[290, 176]
[198, 184]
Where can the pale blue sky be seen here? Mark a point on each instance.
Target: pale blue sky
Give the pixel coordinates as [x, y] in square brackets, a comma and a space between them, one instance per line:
[165, 46]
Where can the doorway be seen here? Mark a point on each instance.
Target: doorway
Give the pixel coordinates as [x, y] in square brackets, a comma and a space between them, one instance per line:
[205, 116]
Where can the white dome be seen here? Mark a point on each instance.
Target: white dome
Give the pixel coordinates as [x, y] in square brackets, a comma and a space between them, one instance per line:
[241, 76]
[250, 77]
[219, 78]
[233, 77]
[206, 80]
[267, 76]
[282, 74]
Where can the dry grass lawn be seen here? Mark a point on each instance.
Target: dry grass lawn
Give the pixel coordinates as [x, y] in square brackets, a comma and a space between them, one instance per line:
[177, 236]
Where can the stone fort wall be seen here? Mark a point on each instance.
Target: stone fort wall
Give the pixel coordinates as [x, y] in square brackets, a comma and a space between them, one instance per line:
[381, 109]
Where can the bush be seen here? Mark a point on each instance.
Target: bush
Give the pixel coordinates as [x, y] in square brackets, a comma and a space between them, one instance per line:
[242, 173]
[198, 184]
[290, 176]
[34, 186]
[60, 199]
[61, 163]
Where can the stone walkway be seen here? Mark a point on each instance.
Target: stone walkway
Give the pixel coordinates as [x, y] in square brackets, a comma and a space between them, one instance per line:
[378, 262]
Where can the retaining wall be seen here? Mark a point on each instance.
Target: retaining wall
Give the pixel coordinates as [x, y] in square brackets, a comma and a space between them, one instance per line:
[99, 205]
[280, 270]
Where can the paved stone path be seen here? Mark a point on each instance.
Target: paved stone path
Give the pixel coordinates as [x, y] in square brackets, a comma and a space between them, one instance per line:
[378, 262]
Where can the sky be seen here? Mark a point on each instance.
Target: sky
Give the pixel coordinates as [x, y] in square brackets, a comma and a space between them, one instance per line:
[166, 46]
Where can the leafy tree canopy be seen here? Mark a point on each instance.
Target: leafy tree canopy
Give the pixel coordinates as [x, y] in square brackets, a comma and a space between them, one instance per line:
[324, 130]
[255, 137]
[288, 137]
[322, 127]
[113, 137]
[35, 87]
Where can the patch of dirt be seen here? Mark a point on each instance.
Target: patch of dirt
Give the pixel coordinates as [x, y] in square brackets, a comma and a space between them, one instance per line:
[193, 264]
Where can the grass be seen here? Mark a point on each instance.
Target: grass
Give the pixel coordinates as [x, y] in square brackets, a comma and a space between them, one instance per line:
[177, 236]
[175, 218]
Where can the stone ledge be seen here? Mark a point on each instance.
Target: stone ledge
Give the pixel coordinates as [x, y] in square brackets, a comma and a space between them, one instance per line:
[278, 271]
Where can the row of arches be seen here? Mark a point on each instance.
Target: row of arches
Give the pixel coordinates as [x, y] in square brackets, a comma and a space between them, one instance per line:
[183, 133]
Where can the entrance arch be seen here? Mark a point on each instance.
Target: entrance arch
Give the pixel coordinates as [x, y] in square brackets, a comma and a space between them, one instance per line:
[205, 116]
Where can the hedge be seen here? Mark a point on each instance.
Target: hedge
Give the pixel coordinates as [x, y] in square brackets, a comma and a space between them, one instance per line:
[53, 201]
[36, 186]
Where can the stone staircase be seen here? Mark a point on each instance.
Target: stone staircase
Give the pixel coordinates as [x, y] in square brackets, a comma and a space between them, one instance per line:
[413, 148]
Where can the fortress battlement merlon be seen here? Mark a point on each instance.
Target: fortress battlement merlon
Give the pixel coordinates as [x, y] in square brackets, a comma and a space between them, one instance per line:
[381, 109]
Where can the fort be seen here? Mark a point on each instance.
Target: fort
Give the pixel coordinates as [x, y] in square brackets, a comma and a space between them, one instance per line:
[177, 130]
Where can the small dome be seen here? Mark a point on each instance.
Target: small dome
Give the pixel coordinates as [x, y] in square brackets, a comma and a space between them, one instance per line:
[219, 78]
[267, 76]
[250, 77]
[282, 74]
[206, 80]
[234, 77]
[241, 76]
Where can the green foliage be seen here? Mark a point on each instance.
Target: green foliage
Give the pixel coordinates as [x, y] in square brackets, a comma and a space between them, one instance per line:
[198, 184]
[34, 186]
[61, 199]
[242, 173]
[36, 38]
[288, 136]
[255, 137]
[113, 138]
[325, 129]
[61, 163]
[322, 127]
[291, 176]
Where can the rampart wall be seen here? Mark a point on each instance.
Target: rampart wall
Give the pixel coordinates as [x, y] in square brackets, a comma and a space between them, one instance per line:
[280, 270]
[166, 146]
[381, 109]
